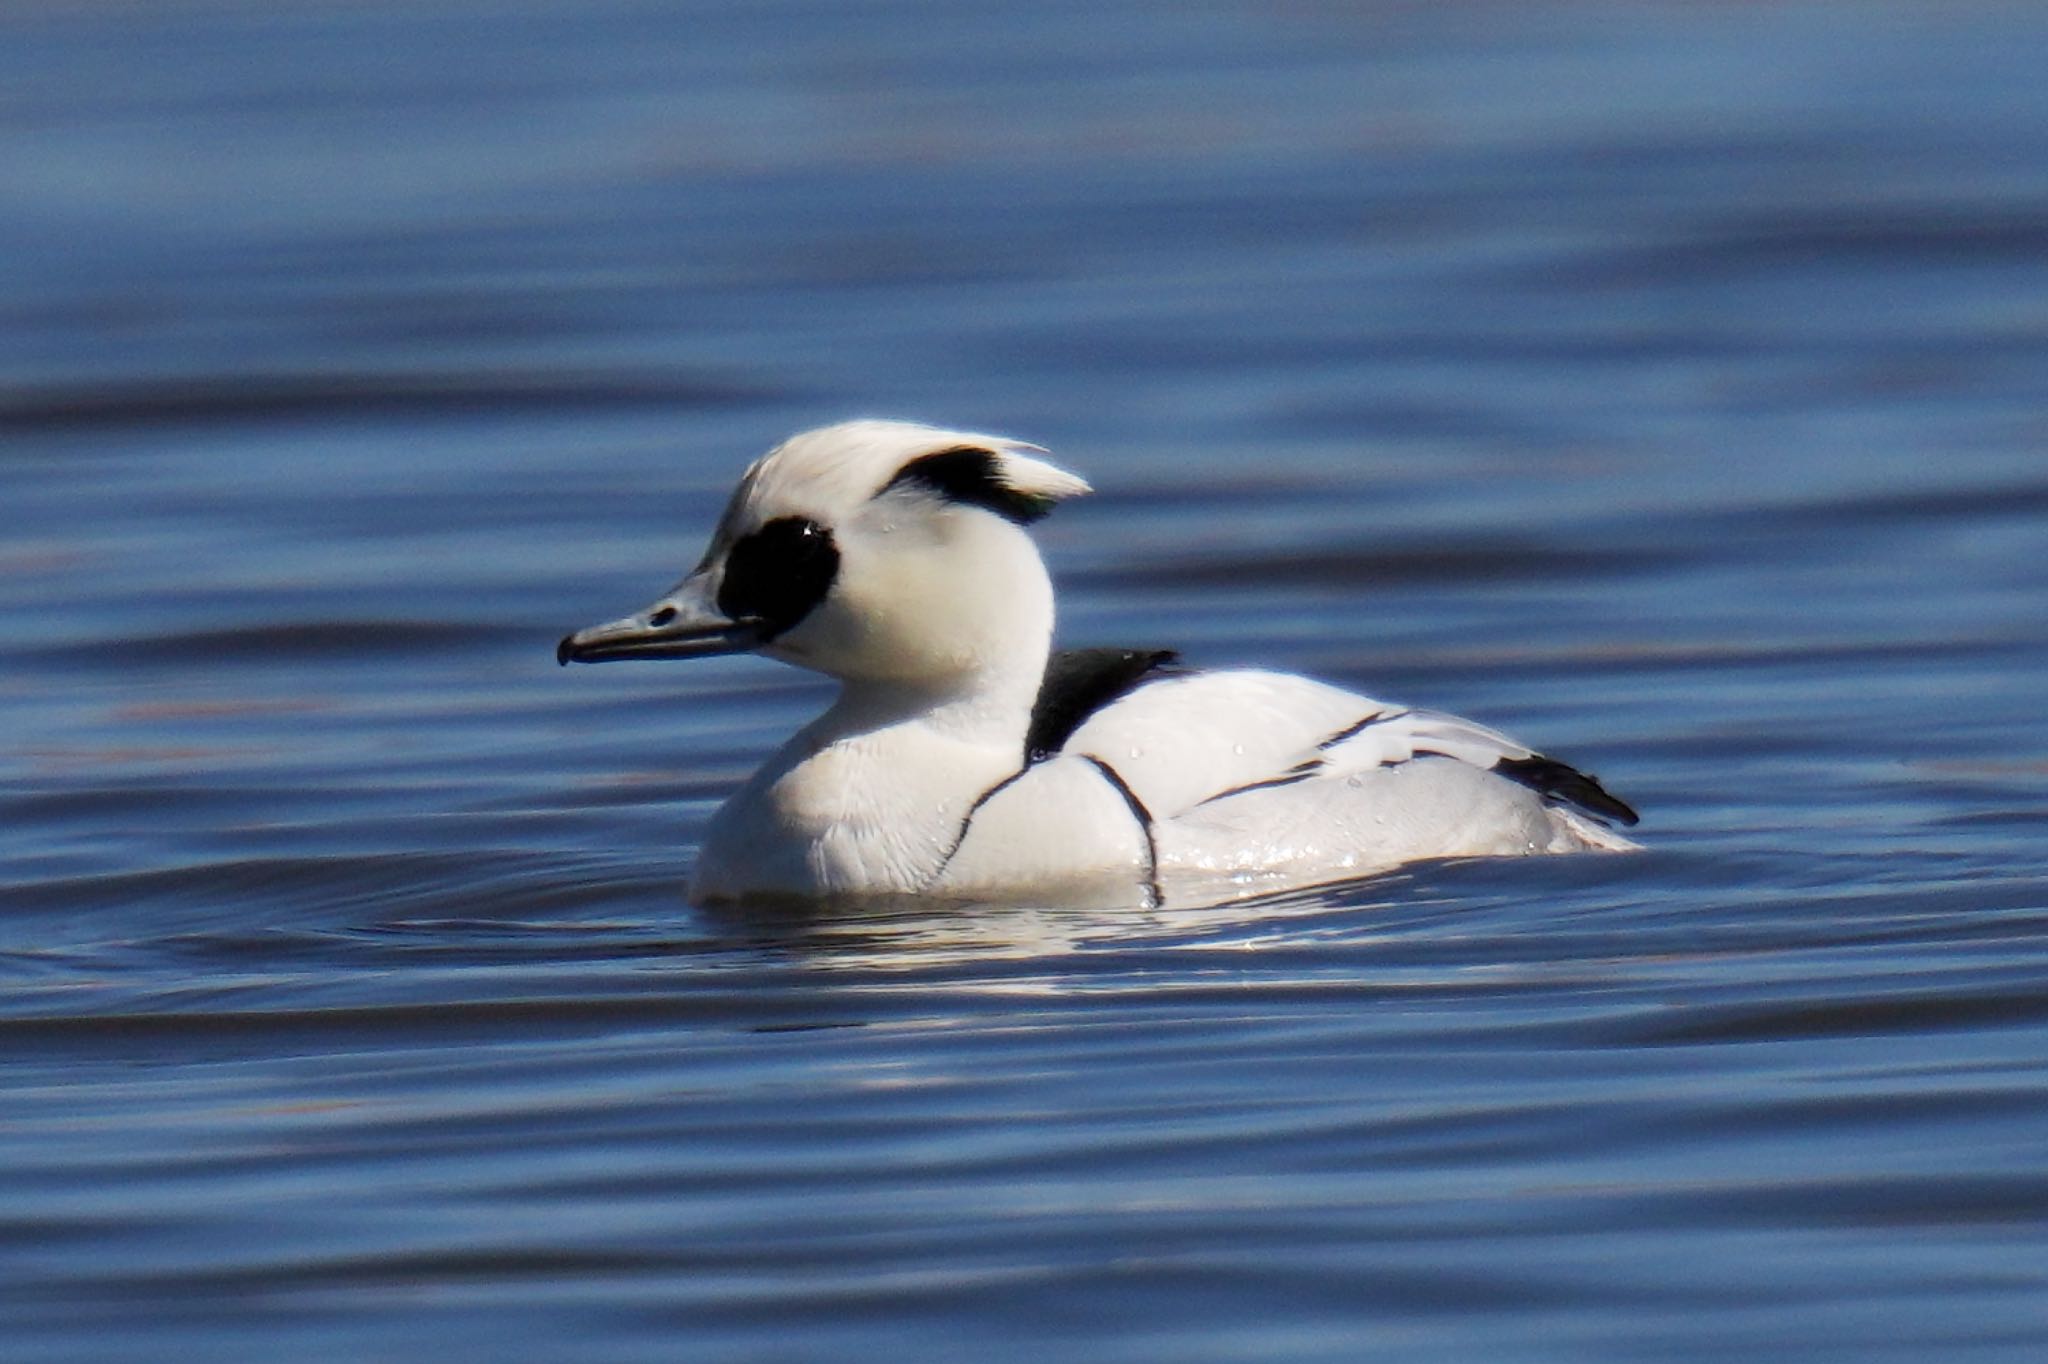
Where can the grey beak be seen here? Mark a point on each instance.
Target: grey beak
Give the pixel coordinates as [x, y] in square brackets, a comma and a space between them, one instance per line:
[684, 624]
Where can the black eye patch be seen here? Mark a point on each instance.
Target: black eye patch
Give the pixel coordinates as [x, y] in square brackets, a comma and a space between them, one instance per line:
[776, 575]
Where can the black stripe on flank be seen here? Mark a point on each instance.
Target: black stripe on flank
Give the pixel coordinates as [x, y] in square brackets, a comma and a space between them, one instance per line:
[967, 822]
[1353, 731]
[972, 476]
[1154, 897]
[1555, 781]
[1301, 772]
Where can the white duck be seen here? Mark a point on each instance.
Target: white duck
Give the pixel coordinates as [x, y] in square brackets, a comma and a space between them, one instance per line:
[963, 759]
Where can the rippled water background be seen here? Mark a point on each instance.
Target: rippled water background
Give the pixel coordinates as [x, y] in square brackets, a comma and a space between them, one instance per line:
[1667, 383]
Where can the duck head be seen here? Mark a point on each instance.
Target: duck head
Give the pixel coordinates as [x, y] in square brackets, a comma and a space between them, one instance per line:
[877, 551]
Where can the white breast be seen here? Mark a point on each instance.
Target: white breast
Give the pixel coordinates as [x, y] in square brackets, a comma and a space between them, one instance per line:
[874, 812]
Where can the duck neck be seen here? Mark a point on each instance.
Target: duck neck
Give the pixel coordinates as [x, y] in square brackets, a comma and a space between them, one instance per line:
[986, 707]
[957, 653]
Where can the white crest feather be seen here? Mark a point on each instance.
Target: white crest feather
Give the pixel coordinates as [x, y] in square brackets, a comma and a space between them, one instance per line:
[1035, 477]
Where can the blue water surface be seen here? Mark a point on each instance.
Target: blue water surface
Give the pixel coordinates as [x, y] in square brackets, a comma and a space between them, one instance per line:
[1664, 383]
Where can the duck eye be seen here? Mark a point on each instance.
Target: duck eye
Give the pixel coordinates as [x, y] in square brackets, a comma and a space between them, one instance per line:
[777, 574]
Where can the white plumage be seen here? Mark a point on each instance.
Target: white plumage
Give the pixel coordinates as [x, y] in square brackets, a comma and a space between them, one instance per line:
[957, 762]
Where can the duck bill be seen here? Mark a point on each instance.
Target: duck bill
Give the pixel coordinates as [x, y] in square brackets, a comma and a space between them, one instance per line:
[684, 624]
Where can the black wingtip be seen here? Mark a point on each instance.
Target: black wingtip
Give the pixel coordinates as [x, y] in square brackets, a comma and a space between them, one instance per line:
[563, 651]
[1556, 781]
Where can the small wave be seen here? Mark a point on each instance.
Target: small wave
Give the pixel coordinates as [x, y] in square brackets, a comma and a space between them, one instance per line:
[298, 640]
[211, 399]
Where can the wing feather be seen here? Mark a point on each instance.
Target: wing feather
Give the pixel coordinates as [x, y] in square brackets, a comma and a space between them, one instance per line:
[1199, 738]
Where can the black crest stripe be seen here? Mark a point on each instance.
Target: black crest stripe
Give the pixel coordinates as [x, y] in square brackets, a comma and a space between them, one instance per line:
[972, 476]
